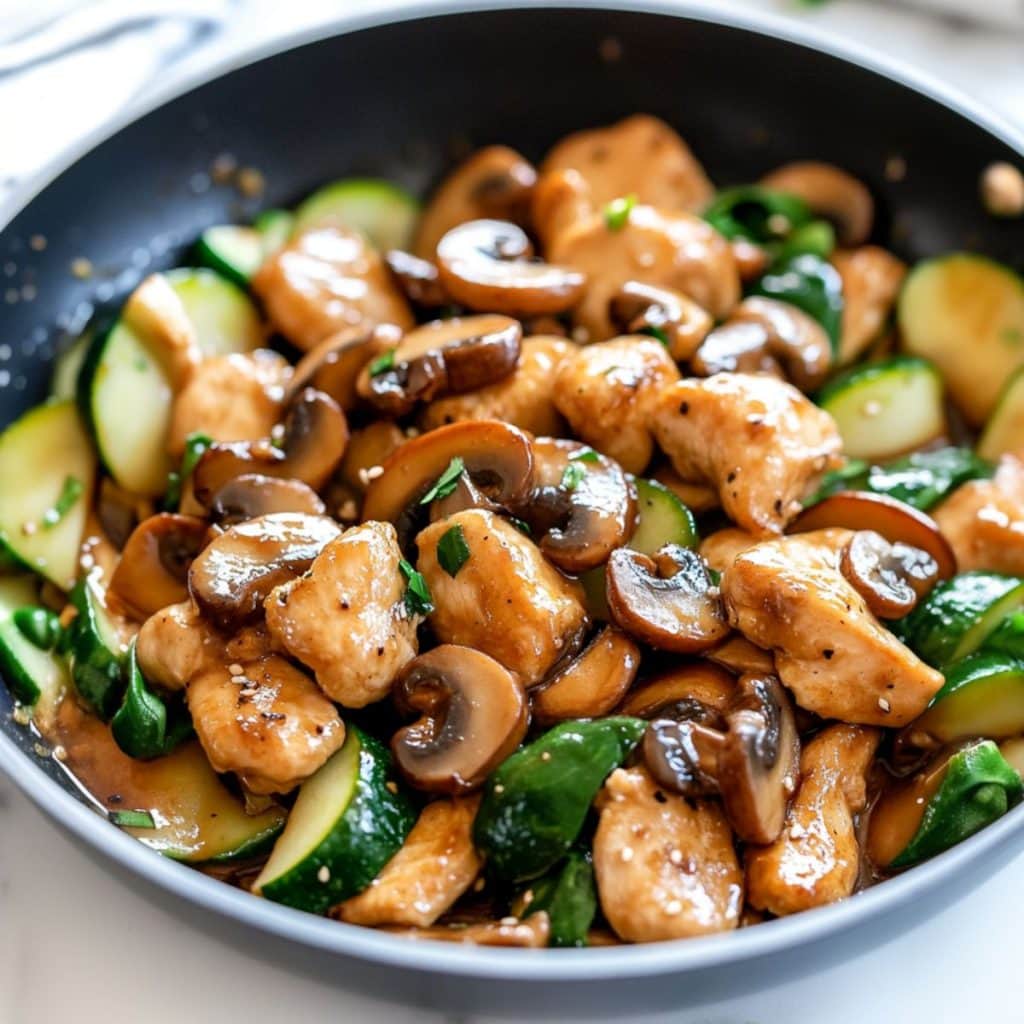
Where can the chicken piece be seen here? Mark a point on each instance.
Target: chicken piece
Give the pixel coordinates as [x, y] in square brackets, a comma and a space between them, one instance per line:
[872, 278]
[640, 155]
[525, 399]
[761, 443]
[789, 595]
[720, 549]
[174, 645]
[605, 392]
[984, 520]
[236, 397]
[346, 618]
[507, 600]
[435, 866]
[269, 723]
[156, 314]
[674, 250]
[325, 280]
[816, 858]
[665, 865]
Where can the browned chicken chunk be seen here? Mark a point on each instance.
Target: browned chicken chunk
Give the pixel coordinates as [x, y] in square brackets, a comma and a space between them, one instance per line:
[507, 600]
[757, 440]
[837, 658]
[816, 858]
[346, 618]
[665, 865]
[872, 277]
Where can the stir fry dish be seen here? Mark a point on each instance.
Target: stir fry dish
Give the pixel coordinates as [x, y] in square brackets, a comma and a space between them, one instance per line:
[589, 555]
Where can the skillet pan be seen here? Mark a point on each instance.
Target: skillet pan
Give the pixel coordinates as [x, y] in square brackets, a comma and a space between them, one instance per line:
[402, 96]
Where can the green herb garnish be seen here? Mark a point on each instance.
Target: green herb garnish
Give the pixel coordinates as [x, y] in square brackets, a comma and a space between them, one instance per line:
[521, 526]
[616, 213]
[656, 332]
[132, 819]
[572, 476]
[70, 492]
[382, 363]
[40, 626]
[417, 593]
[196, 445]
[587, 455]
[446, 482]
[452, 550]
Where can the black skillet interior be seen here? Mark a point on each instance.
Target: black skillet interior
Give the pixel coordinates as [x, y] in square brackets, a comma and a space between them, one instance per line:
[405, 100]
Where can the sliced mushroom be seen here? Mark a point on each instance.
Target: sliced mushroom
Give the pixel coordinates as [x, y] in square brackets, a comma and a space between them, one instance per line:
[751, 260]
[153, 569]
[762, 335]
[333, 366]
[232, 576]
[443, 357]
[593, 683]
[473, 714]
[697, 683]
[896, 521]
[488, 265]
[581, 507]
[497, 457]
[681, 752]
[418, 277]
[739, 655]
[638, 308]
[312, 443]
[494, 182]
[252, 495]
[667, 601]
[368, 447]
[890, 577]
[830, 192]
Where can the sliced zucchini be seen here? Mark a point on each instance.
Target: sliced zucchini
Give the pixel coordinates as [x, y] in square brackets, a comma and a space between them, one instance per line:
[965, 313]
[125, 395]
[47, 470]
[1004, 432]
[196, 818]
[345, 826]
[275, 228]
[35, 677]
[960, 615]
[223, 315]
[383, 212]
[888, 408]
[983, 696]
[65, 369]
[233, 251]
[97, 655]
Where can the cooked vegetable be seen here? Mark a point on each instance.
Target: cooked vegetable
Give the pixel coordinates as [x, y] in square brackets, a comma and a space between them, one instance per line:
[983, 696]
[757, 214]
[233, 252]
[36, 676]
[39, 626]
[535, 803]
[1004, 432]
[142, 726]
[809, 283]
[890, 577]
[568, 896]
[41, 520]
[886, 409]
[96, 651]
[347, 823]
[383, 212]
[965, 313]
[64, 381]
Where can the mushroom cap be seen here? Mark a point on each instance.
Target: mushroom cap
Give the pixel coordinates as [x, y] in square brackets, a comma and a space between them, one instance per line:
[638, 308]
[830, 192]
[233, 574]
[890, 577]
[498, 458]
[681, 752]
[667, 601]
[418, 278]
[153, 568]
[895, 520]
[488, 265]
[473, 714]
[593, 683]
[698, 681]
[252, 495]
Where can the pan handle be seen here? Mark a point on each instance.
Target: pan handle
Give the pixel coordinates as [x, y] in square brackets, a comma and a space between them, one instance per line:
[99, 22]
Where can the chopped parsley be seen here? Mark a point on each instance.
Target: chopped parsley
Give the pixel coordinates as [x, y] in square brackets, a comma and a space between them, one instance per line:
[196, 445]
[616, 213]
[132, 819]
[417, 593]
[587, 455]
[70, 492]
[446, 482]
[382, 363]
[572, 476]
[452, 550]
[656, 332]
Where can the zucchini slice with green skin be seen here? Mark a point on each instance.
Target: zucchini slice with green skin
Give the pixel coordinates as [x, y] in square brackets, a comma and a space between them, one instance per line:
[345, 826]
[535, 804]
[64, 382]
[965, 313]
[275, 228]
[978, 787]
[380, 210]
[983, 696]
[35, 677]
[888, 408]
[97, 655]
[223, 315]
[233, 251]
[959, 615]
[1004, 432]
[568, 895]
[47, 454]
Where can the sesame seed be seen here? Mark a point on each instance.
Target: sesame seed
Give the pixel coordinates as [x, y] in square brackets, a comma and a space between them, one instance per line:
[499, 788]
[374, 471]
[364, 476]
[509, 920]
[412, 432]
[238, 680]
[673, 907]
[626, 854]
[323, 874]
[676, 857]
[546, 756]
[884, 705]
[236, 669]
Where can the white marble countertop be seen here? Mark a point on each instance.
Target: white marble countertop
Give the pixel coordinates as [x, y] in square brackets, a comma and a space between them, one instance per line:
[76, 945]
